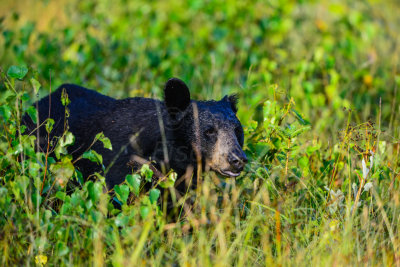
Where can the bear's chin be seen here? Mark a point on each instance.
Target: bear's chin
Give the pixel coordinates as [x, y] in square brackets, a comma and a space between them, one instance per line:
[227, 173]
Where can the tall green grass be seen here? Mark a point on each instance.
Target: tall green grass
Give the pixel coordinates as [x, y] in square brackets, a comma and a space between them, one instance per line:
[318, 87]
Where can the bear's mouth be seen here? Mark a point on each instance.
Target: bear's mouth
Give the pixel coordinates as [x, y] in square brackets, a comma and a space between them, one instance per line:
[229, 173]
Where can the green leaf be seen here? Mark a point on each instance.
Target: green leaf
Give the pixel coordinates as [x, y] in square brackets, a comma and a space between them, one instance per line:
[34, 168]
[18, 148]
[146, 172]
[121, 220]
[76, 199]
[134, 183]
[105, 140]
[62, 249]
[96, 215]
[49, 125]
[17, 72]
[277, 143]
[271, 112]
[5, 112]
[95, 190]
[122, 192]
[169, 180]
[61, 195]
[154, 195]
[66, 140]
[93, 156]
[63, 170]
[64, 98]
[25, 97]
[79, 177]
[65, 208]
[293, 131]
[36, 198]
[311, 149]
[144, 211]
[23, 183]
[304, 162]
[32, 113]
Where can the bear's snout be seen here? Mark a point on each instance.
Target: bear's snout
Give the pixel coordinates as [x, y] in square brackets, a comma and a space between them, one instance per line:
[237, 160]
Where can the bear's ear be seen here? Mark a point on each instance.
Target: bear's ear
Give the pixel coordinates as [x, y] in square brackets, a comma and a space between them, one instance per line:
[233, 100]
[176, 95]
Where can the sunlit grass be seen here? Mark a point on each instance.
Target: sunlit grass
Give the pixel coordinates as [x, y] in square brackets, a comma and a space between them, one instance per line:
[318, 98]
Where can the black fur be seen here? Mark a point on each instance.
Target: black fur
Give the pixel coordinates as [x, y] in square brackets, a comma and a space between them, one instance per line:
[133, 126]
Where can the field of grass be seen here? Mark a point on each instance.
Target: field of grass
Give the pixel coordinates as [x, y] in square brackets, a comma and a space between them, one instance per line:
[318, 86]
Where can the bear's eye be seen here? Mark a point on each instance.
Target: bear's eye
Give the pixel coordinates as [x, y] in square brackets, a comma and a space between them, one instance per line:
[210, 131]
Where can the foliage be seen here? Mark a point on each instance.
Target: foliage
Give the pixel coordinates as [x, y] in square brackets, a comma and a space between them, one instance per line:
[317, 84]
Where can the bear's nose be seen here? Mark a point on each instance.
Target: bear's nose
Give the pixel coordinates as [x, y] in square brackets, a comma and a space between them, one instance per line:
[237, 161]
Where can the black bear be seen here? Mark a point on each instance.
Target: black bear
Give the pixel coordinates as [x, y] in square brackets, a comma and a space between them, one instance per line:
[177, 133]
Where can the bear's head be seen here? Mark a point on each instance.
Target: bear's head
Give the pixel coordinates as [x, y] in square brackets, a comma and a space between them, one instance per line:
[206, 132]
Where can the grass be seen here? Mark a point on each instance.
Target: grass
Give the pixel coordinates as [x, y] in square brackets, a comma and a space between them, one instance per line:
[318, 88]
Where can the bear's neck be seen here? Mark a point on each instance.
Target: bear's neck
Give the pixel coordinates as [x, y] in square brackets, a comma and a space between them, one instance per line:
[175, 152]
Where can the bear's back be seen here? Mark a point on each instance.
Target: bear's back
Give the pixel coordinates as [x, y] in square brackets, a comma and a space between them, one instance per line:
[84, 103]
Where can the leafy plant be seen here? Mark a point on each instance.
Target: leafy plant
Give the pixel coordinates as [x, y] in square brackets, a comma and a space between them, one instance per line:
[318, 97]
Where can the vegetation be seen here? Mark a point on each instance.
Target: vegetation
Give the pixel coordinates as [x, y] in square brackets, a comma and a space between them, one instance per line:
[318, 85]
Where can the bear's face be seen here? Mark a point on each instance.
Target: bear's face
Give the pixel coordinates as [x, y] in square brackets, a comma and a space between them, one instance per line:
[219, 136]
[211, 128]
